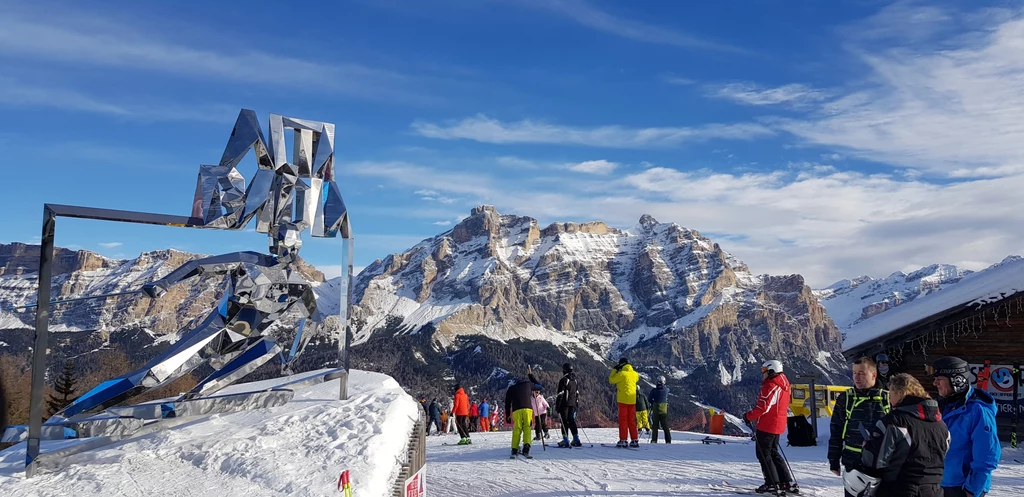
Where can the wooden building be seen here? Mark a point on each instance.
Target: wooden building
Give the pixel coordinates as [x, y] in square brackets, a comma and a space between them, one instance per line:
[979, 319]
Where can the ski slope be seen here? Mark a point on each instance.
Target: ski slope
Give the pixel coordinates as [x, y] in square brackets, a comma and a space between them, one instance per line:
[684, 468]
[297, 449]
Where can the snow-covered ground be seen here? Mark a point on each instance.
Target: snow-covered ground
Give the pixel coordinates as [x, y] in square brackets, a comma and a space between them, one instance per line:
[296, 449]
[684, 468]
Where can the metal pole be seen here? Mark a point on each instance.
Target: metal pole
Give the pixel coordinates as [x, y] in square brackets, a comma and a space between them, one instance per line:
[345, 340]
[814, 410]
[35, 421]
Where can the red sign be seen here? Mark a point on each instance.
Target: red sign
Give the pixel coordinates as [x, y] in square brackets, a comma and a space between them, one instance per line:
[416, 486]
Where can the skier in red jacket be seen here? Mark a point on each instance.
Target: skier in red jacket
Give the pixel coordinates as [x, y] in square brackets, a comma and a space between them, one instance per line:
[771, 414]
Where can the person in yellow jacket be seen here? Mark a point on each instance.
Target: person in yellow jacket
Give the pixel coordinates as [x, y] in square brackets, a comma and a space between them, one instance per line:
[625, 380]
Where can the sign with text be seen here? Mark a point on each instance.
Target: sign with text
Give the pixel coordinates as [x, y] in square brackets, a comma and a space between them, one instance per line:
[416, 485]
[1000, 386]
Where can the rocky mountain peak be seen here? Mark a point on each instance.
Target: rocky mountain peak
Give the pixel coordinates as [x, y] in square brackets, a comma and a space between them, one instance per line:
[647, 221]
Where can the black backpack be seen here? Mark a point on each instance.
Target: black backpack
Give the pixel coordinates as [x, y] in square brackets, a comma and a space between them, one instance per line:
[801, 433]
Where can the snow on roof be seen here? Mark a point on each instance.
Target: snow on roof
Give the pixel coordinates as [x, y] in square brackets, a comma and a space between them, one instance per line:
[984, 287]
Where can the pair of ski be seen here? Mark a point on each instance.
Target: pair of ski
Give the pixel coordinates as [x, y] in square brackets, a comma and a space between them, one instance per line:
[620, 447]
[729, 487]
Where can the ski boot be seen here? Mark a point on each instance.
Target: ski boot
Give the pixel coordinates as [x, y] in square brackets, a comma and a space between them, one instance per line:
[790, 488]
[622, 444]
[464, 441]
[515, 452]
[526, 451]
[769, 489]
[635, 444]
[576, 442]
[564, 444]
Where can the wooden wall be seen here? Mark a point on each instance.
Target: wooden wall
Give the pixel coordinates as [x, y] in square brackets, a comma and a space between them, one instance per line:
[994, 332]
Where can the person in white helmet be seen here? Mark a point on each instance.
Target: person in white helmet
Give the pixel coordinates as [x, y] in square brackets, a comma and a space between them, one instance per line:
[771, 414]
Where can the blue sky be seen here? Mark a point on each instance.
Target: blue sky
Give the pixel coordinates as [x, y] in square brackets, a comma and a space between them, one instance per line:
[832, 139]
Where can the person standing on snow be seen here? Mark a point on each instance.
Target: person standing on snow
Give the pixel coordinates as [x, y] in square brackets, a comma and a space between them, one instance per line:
[659, 410]
[643, 420]
[970, 415]
[866, 403]
[770, 413]
[565, 404]
[435, 416]
[461, 410]
[519, 413]
[625, 380]
[907, 447]
[485, 416]
[540, 412]
[474, 417]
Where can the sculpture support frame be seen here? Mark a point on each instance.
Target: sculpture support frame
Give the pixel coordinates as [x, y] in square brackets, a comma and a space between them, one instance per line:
[41, 343]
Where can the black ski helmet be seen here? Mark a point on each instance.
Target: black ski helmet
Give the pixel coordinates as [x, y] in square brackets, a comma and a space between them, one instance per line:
[623, 361]
[953, 368]
[567, 368]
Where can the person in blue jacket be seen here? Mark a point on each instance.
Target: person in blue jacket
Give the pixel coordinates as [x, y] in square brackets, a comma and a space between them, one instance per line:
[485, 416]
[970, 415]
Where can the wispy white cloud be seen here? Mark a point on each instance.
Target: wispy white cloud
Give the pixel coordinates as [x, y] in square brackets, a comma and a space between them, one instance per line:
[680, 81]
[594, 167]
[485, 129]
[78, 37]
[19, 94]
[752, 94]
[590, 16]
[442, 223]
[942, 105]
[110, 245]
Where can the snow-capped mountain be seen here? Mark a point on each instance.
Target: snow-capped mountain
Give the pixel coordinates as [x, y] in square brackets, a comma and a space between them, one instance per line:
[662, 293]
[849, 302]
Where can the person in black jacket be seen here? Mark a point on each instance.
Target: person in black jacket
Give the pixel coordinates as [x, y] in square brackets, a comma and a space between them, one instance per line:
[659, 410]
[519, 407]
[435, 416]
[865, 403]
[566, 403]
[908, 446]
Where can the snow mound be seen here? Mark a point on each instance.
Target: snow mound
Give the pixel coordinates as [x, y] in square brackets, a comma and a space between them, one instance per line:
[297, 449]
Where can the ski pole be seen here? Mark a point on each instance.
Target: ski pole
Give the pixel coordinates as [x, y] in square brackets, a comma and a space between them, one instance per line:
[790, 468]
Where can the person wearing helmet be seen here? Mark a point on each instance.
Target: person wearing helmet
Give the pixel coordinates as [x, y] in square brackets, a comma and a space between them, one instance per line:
[519, 413]
[540, 408]
[659, 410]
[566, 403]
[907, 447]
[643, 418]
[970, 415]
[625, 380]
[882, 359]
[770, 413]
[866, 403]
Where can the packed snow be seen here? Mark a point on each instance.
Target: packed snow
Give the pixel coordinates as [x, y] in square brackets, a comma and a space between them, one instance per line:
[990, 285]
[685, 468]
[299, 449]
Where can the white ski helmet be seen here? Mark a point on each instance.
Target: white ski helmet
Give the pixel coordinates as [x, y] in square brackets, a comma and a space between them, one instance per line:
[775, 367]
[859, 484]
[660, 380]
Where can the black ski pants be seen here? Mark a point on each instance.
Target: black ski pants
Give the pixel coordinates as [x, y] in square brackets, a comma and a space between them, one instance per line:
[661, 420]
[958, 492]
[540, 424]
[568, 418]
[772, 465]
[462, 423]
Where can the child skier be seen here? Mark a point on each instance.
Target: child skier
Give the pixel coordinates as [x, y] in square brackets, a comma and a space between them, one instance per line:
[540, 412]
[659, 410]
[625, 380]
[642, 420]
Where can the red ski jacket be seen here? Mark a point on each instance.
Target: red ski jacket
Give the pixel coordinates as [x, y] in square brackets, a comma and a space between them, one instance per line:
[474, 410]
[461, 405]
[772, 407]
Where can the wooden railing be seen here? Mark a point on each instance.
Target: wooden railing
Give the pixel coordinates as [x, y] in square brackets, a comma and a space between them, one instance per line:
[415, 455]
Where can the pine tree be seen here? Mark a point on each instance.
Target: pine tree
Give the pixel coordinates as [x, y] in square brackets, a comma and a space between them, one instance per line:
[64, 387]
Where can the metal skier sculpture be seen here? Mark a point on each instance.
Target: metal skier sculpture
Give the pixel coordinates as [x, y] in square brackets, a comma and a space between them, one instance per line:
[261, 292]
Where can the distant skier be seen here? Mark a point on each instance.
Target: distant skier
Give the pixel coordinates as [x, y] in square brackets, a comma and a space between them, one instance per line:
[643, 422]
[426, 411]
[461, 411]
[540, 412]
[495, 417]
[625, 380]
[485, 416]
[771, 416]
[659, 410]
[445, 421]
[474, 417]
[435, 416]
[883, 369]
[566, 403]
[519, 413]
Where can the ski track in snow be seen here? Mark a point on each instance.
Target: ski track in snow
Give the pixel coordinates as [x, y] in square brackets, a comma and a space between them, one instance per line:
[684, 468]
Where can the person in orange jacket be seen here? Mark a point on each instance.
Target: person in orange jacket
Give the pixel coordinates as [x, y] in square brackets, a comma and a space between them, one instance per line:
[461, 411]
[625, 380]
